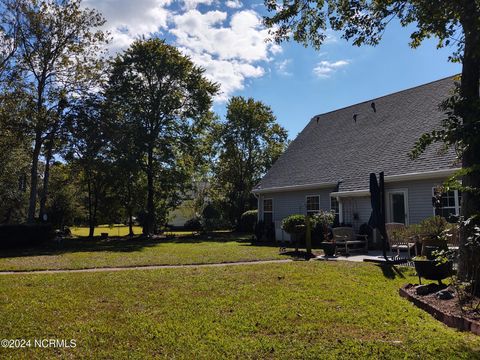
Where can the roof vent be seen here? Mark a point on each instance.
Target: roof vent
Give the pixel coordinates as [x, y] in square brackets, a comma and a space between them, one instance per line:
[373, 107]
[355, 117]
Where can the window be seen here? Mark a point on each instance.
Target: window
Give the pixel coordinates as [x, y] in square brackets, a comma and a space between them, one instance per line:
[313, 204]
[267, 211]
[449, 203]
[335, 207]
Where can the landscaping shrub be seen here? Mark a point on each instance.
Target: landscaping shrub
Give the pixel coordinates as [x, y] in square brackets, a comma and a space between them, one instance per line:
[248, 221]
[294, 224]
[264, 232]
[17, 236]
[194, 224]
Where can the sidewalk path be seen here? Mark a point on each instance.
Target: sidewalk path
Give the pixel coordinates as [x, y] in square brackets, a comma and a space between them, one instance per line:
[143, 267]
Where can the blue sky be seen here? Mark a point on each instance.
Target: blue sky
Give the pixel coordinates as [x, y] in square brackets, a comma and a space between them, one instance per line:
[228, 40]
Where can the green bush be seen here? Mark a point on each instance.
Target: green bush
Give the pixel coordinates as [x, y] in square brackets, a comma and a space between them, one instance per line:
[194, 224]
[24, 235]
[294, 224]
[248, 221]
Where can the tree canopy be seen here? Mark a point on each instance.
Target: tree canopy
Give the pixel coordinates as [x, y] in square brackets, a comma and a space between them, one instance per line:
[163, 101]
[250, 140]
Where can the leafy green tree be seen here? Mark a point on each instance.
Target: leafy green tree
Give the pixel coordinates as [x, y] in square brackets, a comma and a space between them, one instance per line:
[250, 140]
[64, 206]
[453, 22]
[9, 35]
[87, 152]
[57, 57]
[14, 155]
[128, 182]
[164, 100]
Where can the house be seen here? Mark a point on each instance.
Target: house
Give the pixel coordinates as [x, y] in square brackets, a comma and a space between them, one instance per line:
[328, 165]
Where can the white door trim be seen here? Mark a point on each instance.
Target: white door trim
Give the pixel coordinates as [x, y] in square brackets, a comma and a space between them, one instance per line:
[389, 204]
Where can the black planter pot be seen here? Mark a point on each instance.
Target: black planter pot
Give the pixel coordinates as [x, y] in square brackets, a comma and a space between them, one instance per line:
[328, 248]
[432, 269]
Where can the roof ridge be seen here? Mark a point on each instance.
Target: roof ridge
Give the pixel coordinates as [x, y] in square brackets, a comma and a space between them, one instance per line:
[383, 96]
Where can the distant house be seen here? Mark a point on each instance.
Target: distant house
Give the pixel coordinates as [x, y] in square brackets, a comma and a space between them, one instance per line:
[328, 165]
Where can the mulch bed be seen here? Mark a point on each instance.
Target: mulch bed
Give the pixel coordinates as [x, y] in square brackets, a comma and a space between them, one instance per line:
[447, 311]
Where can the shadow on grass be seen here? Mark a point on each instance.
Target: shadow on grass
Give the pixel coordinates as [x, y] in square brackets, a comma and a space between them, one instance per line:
[390, 271]
[122, 244]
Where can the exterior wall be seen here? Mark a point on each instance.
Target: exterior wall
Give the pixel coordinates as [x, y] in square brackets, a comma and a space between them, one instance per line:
[356, 210]
[419, 197]
[289, 203]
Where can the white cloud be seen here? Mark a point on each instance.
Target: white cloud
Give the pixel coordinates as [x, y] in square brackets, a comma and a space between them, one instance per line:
[232, 48]
[192, 4]
[128, 20]
[229, 49]
[325, 69]
[282, 67]
[233, 4]
[244, 37]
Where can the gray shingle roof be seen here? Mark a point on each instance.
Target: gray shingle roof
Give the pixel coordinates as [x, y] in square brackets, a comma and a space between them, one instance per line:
[333, 147]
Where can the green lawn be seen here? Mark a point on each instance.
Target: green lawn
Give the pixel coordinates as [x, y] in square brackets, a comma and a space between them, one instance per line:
[114, 230]
[298, 310]
[119, 230]
[86, 253]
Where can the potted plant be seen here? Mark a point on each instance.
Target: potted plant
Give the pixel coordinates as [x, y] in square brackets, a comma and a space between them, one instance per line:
[326, 219]
[432, 269]
[433, 239]
[294, 225]
[432, 235]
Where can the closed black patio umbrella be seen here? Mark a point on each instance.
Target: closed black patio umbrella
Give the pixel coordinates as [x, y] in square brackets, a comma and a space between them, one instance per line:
[377, 200]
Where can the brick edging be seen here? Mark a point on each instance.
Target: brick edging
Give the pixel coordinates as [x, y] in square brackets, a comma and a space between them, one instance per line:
[453, 321]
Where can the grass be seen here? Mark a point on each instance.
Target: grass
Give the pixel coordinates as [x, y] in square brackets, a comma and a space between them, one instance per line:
[113, 230]
[113, 252]
[119, 230]
[298, 310]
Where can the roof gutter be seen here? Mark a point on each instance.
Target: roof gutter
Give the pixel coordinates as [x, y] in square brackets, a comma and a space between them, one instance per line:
[352, 193]
[421, 175]
[294, 188]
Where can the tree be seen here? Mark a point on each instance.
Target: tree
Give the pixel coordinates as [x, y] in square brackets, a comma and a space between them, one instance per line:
[14, 155]
[164, 101]
[87, 152]
[57, 57]
[455, 22]
[9, 35]
[64, 205]
[250, 142]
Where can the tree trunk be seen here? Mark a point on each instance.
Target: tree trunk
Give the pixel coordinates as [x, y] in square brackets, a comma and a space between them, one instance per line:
[469, 92]
[46, 178]
[150, 221]
[32, 205]
[129, 209]
[91, 225]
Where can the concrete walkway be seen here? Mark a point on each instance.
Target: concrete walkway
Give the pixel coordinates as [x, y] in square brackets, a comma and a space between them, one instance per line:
[142, 267]
[372, 254]
[354, 258]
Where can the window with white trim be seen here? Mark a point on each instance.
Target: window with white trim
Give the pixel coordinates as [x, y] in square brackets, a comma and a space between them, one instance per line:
[334, 205]
[313, 204]
[268, 211]
[449, 203]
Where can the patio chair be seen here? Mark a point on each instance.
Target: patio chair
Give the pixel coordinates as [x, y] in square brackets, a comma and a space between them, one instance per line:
[346, 240]
[397, 241]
